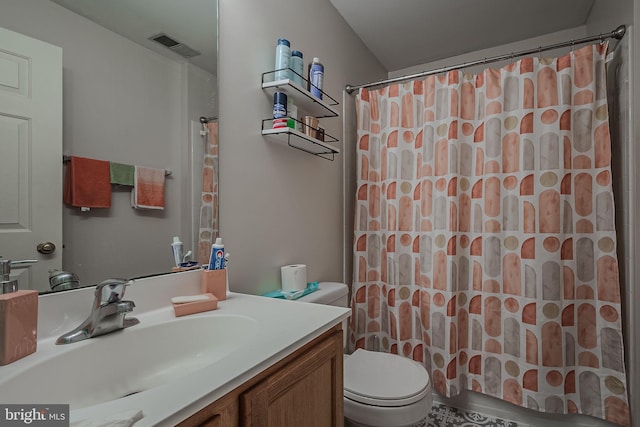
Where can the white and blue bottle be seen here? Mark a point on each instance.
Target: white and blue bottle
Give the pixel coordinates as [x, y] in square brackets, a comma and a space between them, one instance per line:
[216, 261]
[297, 67]
[279, 105]
[283, 57]
[177, 249]
[316, 78]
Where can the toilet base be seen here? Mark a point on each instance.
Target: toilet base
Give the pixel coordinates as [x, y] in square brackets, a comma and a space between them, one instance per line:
[357, 414]
[349, 423]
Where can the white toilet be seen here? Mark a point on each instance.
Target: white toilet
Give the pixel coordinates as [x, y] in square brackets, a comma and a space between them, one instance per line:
[397, 395]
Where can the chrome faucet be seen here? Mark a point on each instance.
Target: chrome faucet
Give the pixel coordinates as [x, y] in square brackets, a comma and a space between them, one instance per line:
[107, 314]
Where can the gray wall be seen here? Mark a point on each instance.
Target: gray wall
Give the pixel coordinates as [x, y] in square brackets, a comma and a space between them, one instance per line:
[279, 205]
[606, 15]
[547, 39]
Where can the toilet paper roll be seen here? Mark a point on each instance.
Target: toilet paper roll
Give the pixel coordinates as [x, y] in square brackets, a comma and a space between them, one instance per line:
[294, 277]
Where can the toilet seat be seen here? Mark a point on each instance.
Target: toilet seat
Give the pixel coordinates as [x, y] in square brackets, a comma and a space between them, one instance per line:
[381, 379]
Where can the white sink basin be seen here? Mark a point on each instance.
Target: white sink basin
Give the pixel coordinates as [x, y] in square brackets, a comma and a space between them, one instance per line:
[130, 361]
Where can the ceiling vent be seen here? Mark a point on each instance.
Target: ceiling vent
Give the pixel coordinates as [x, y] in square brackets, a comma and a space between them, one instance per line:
[170, 43]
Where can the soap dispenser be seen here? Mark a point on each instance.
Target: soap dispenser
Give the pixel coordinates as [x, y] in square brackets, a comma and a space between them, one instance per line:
[18, 316]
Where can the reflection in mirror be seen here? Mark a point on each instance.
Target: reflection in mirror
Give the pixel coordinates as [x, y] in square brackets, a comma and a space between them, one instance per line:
[115, 95]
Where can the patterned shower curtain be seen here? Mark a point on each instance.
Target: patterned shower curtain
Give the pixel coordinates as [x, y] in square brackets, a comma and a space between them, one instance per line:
[209, 228]
[485, 245]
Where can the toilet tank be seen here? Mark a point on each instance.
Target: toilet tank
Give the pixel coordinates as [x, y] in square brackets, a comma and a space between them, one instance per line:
[329, 293]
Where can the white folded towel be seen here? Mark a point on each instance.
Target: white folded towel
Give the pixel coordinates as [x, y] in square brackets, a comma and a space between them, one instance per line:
[123, 419]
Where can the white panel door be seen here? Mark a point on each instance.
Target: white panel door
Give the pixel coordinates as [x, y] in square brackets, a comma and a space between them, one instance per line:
[30, 155]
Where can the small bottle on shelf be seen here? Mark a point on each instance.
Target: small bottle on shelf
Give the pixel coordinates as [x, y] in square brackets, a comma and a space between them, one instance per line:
[283, 57]
[279, 110]
[316, 78]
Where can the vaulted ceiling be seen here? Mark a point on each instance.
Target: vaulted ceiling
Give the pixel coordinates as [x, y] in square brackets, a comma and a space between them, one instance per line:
[404, 33]
[400, 33]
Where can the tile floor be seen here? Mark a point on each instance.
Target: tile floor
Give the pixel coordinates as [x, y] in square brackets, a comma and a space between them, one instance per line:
[447, 416]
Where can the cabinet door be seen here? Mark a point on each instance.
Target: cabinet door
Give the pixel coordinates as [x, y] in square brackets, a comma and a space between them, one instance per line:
[221, 413]
[308, 392]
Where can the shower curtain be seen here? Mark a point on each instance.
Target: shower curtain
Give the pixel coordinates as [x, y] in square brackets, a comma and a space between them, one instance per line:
[209, 228]
[484, 241]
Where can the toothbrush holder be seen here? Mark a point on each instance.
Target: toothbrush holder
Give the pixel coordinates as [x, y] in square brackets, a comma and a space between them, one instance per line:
[214, 282]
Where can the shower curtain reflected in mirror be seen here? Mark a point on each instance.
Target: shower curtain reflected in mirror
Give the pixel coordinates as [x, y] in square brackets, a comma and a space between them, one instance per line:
[209, 222]
[484, 242]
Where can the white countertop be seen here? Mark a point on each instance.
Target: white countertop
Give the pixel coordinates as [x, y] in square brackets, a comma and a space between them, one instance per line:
[283, 327]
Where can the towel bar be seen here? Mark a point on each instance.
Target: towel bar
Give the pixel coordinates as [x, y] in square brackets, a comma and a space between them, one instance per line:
[67, 157]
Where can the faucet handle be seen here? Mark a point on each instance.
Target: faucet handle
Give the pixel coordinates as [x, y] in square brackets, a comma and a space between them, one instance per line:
[110, 291]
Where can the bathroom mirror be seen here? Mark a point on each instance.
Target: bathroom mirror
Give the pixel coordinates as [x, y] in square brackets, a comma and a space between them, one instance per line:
[137, 76]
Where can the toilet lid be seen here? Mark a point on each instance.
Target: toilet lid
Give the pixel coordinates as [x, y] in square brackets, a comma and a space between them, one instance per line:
[383, 379]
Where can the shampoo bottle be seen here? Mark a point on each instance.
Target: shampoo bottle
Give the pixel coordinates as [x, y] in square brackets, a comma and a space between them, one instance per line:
[283, 56]
[18, 317]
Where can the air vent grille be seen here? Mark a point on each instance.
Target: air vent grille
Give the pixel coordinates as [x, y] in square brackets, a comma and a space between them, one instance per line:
[170, 43]
[165, 40]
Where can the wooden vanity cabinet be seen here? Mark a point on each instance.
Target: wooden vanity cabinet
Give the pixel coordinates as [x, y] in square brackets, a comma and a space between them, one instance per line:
[303, 389]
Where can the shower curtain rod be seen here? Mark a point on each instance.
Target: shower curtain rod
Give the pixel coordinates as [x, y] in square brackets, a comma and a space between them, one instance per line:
[618, 34]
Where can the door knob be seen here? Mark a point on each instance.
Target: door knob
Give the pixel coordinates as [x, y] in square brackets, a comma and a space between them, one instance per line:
[46, 248]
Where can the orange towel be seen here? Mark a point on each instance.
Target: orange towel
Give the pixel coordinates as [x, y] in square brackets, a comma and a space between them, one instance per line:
[148, 188]
[87, 183]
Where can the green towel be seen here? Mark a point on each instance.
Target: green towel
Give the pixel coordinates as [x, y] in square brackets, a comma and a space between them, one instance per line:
[122, 174]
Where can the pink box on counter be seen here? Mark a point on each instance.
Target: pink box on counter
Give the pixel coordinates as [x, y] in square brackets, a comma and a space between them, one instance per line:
[187, 308]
